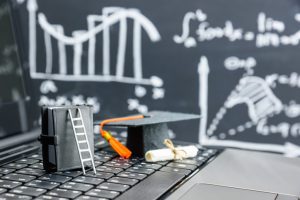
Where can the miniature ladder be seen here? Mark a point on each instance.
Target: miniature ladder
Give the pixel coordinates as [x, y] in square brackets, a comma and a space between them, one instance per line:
[80, 125]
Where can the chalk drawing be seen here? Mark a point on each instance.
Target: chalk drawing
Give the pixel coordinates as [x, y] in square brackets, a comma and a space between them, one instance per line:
[72, 100]
[171, 134]
[203, 70]
[96, 24]
[269, 32]
[158, 93]
[134, 104]
[297, 17]
[234, 63]
[140, 91]
[48, 86]
[259, 98]
[256, 93]
[292, 110]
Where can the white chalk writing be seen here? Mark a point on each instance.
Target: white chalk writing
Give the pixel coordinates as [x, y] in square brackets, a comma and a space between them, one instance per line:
[269, 31]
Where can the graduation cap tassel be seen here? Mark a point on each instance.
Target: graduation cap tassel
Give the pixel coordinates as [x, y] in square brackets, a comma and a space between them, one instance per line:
[122, 150]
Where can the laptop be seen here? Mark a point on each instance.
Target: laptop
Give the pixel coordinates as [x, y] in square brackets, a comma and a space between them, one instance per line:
[212, 175]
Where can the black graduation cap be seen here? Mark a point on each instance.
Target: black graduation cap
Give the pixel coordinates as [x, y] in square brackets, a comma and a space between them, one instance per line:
[150, 132]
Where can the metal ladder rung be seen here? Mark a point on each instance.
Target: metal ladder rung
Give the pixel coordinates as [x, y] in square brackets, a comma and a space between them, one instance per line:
[86, 160]
[76, 118]
[80, 133]
[82, 141]
[84, 150]
[78, 126]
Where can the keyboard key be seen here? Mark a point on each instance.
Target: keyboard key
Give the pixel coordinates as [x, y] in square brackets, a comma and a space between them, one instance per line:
[117, 164]
[27, 161]
[200, 159]
[18, 177]
[55, 178]
[58, 192]
[114, 187]
[47, 197]
[189, 162]
[162, 162]
[72, 174]
[37, 166]
[152, 187]
[209, 153]
[100, 144]
[148, 165]
[97, 163]
[111, 154]
[2, 190]
[31, 171]
[36, 156]
[176, 170]
[10, 196]
[88, 180]
[205, 154]
[182, 165]
[140, 170]
[101, 158]
[9, 184]
[102, 175]
[15, 165]
[132, 175]
[43, 184]
[121, 180]
[109, 169]
[30, 191]
[130, 161]
[103, 193]
[83, 197]
[76, 186]
[212, 151]
[6, 170]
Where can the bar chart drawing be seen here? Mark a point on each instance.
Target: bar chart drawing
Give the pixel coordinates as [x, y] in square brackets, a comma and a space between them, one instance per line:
[96, 24]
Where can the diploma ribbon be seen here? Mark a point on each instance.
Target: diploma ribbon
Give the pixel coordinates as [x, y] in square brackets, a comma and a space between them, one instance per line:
[178, 153]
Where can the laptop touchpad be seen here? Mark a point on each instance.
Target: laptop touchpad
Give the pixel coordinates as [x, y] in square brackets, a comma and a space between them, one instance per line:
[214, 192]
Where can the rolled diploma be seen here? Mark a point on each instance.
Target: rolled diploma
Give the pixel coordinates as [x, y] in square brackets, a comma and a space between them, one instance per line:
[167, 154]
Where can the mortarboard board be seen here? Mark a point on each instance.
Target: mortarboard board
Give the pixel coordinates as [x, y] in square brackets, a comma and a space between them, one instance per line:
[149, 132]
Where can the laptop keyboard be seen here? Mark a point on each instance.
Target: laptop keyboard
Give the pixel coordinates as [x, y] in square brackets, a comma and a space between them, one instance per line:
[116, 178]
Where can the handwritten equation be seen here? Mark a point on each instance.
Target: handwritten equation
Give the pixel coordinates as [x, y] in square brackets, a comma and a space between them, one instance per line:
[269, 32]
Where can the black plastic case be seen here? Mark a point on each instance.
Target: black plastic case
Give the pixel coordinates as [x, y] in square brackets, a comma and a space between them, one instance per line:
[59, 147]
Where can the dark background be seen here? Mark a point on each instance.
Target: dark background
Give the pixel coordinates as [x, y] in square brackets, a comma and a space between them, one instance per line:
[175, 64]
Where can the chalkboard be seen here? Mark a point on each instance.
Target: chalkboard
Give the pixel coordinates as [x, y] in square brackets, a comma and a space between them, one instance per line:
[235, 62]
[10, 77]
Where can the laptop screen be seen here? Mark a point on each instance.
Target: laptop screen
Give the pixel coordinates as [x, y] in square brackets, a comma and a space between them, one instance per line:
[12, 92]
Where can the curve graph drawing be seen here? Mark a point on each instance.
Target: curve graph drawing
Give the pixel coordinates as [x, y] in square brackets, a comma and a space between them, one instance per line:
[96, 24]
[256, 93]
